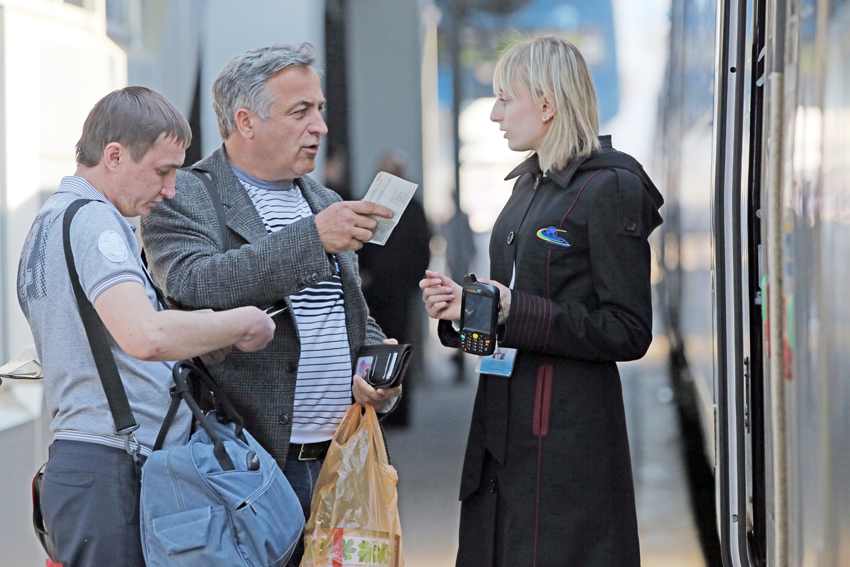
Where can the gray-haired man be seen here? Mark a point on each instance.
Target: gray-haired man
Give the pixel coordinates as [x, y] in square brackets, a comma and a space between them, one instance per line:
[133, 141]
[287, 239]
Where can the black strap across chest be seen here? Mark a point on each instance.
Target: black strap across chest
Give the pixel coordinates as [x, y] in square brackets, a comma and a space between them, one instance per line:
[113, 387]
[116, 396]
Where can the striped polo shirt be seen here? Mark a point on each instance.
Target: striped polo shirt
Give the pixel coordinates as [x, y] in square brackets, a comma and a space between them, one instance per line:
[323, 386]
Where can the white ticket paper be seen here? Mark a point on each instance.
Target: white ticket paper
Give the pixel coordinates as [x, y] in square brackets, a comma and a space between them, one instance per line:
[394, 193]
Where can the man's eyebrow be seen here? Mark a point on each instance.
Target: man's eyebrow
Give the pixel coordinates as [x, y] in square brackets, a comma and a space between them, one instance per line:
[307, 103]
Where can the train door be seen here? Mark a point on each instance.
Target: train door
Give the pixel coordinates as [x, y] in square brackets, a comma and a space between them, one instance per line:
[738, 279]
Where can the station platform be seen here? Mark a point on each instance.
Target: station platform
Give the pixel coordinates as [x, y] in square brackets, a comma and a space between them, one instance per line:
[429, 454]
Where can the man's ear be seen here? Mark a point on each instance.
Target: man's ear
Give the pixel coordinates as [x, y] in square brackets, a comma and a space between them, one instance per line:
[245, 122]
[113, 153]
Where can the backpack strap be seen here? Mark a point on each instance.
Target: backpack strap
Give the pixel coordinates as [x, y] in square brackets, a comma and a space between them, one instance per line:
[116, 396]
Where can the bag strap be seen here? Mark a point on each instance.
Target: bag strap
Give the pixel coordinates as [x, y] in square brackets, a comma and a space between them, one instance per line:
[208, 179]
[116, 396]
[210, 185]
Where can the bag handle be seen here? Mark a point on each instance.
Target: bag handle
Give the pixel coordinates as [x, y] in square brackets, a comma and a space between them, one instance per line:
[116, 395]
[181, 373]
[378, 436]
[356, 416]
[223, 406]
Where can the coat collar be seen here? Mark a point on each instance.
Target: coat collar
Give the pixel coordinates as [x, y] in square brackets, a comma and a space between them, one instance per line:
[560, 176]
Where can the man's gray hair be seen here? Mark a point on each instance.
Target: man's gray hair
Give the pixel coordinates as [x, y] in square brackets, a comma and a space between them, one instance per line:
[136, 118]
[243, 81]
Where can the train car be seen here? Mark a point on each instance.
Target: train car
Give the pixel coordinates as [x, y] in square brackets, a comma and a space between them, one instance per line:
[755, 261]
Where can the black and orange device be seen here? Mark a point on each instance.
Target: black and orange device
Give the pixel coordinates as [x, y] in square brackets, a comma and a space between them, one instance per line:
[479, 316]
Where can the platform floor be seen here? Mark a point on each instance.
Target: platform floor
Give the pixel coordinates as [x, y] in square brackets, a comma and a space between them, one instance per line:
[428, 456]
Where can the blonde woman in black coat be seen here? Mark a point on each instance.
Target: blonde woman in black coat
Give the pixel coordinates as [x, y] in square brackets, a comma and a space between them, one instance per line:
[547, 477]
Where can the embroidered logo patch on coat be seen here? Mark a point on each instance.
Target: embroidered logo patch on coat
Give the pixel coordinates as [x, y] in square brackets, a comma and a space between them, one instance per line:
[553, 235]
[112, 246]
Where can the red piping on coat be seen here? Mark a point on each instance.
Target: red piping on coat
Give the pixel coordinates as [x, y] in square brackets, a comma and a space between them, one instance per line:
[580, 191]
[542, 400]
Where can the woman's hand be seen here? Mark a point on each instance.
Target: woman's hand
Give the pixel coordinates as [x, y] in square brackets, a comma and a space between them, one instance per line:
[505, 299]
[441, 296]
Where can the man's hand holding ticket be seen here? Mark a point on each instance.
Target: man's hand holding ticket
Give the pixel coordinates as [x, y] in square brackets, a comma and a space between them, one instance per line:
[394, 193]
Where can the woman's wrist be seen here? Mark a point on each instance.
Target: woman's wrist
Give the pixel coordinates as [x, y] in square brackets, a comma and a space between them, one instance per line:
[504, 306]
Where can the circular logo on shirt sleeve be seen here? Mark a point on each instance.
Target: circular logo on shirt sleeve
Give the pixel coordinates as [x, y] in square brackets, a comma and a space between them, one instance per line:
[112, 246]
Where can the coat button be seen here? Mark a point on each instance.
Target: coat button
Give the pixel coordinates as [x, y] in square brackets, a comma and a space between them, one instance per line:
[492, 487]
[630, 225]
[511, 237]
[291, 366]
[283, 418]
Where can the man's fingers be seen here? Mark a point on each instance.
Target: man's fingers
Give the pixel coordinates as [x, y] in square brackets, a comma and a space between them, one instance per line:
[362, 221]
[367, 208]
[364, 394]
[390, 393]
[362, 234]
[211, 358]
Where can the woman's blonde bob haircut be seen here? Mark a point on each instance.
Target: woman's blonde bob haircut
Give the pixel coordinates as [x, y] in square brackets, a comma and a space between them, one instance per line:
[553, 67]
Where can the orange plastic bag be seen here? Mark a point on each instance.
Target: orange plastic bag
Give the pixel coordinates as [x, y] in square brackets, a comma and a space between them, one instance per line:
[354, 513]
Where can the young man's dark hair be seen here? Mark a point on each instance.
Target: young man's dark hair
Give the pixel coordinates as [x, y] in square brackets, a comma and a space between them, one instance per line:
[135, 117]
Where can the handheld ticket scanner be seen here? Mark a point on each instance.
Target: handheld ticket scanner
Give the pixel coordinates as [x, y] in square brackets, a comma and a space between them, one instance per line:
[479, 316]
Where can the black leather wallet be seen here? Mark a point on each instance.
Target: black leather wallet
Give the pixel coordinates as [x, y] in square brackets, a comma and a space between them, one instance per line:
[383, 366]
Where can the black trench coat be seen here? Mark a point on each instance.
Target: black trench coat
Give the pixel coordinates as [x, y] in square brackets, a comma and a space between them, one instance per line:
[547, 476]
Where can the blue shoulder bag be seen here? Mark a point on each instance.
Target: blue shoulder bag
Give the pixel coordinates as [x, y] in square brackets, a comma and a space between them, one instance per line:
[221, 499]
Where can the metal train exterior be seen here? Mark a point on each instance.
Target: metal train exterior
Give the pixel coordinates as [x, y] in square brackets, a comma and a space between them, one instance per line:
[754, 150]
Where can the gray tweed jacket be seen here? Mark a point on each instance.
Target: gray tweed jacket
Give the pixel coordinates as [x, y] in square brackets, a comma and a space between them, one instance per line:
[196, 270]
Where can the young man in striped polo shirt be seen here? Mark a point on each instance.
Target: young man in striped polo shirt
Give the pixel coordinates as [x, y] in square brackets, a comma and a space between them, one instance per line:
[288, 241]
